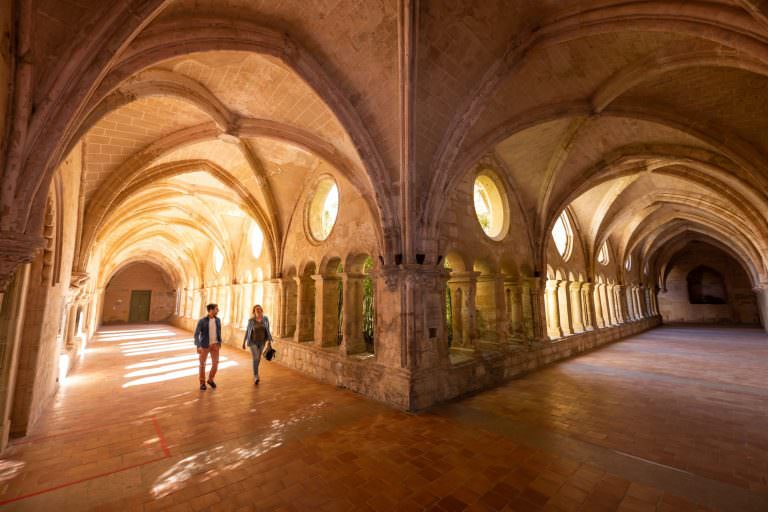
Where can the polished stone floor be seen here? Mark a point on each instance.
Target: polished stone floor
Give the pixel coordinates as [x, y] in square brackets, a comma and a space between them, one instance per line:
[675, 419]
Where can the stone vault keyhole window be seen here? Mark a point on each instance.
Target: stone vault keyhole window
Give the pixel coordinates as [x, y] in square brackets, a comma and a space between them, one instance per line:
[562, 234]
[491, 205]
[323, 209]
[603, 257]
[256, 238]
[218, 259]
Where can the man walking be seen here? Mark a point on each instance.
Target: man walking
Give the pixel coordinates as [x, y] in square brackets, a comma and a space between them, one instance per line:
[208, 339]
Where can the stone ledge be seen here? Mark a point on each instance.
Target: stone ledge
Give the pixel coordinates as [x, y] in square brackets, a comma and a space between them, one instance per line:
[407, 390]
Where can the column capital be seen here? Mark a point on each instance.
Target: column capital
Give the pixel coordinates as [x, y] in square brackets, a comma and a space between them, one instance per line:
[15, 249]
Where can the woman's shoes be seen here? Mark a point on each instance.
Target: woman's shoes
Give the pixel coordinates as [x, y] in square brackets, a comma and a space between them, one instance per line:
[256, 382]
[202, 386]
[212, 384]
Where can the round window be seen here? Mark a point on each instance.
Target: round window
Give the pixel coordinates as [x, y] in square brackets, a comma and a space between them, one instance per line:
[323, 209]
[256, 237]
[490, 205]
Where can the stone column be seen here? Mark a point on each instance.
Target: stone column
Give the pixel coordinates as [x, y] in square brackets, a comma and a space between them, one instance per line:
[13, 300]
[576, 306]
[305, 310]
[613, 314]
[276, 301]
[467, 282]
[515, 307]
[352, 318]
[761, 292]
[69, 336]
[599, 311]
[564, 302]
[588, 306]
[489, 298]
[15, 250]
[553, 309]
[627, 297]
[326, 310]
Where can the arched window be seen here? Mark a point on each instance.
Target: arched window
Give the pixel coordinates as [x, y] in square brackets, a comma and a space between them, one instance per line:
[706, 286]
[562, 234]
[603, 256]
[256, 239]
[218, 259]
[490, 205]
[628, 263]
[323, 209]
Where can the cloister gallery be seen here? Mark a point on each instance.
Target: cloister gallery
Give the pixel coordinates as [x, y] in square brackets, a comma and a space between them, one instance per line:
[429, 199]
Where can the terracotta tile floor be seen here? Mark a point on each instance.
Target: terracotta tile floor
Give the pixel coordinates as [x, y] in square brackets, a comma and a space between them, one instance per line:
[675, 419]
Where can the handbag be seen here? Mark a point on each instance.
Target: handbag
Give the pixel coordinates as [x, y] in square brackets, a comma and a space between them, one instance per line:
[269, 354]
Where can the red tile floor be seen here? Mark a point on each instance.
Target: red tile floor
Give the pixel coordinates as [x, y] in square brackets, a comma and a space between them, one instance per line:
[675, 419]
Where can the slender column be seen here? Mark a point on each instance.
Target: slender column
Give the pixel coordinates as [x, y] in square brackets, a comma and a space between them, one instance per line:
[564, 303]
[305, 310]
[352, 318]
[599, 302]
[610, 293]
[501, 325]
[576, 306]
[326, 310]
[553, 310]
[588, 305]
[466, 310]
[515, 307]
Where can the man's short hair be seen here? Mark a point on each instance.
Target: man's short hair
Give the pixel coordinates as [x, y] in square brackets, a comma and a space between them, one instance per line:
[209, 307]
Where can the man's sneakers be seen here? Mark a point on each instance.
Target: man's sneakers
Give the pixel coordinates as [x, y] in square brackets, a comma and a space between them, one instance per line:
[202, 386]
[256, 382]
[212, 384]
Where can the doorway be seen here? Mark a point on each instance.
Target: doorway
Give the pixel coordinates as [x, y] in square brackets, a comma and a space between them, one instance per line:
[139, 311]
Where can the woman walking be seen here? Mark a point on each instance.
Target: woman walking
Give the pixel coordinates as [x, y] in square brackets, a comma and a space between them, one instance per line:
[256, 336]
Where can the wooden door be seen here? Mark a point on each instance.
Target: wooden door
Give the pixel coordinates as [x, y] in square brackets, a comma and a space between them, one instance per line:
[140, 300]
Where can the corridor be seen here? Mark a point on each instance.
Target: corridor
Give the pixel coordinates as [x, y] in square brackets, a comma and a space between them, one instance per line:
[674, 419]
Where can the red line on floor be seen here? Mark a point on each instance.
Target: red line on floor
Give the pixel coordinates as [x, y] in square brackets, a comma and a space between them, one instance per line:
[160, 436]
[61, 486]
[163, 445]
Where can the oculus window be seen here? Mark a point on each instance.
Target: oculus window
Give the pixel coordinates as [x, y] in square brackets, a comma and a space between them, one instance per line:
[491, 205]
[323, 209]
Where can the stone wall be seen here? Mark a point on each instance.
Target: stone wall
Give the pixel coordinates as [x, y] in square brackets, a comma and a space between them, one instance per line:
[417, 390]
[138, 276]
[674, 305]
[43, 327]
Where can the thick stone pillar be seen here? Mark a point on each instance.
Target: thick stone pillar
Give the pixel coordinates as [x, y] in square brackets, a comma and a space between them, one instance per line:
[12, 312]
[620, 302]
[70, 333]
[352, 317]
[762, 303]
[627, 295]
[326, 310]
[610, 295]
[410, 318]
[15, 250]
[553, 309]
[577, 318]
